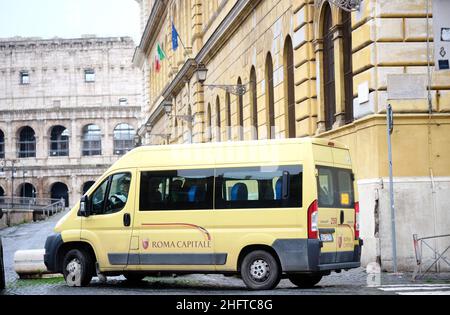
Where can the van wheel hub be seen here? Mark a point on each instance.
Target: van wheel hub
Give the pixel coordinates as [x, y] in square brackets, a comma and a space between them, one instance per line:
[259, 270]
[73, 278]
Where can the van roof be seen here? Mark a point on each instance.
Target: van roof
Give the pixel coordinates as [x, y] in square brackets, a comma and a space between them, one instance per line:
[193, 146]
[261, 150]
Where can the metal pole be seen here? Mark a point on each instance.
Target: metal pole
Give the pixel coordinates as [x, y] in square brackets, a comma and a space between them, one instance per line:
[390, 126]
[12, 184]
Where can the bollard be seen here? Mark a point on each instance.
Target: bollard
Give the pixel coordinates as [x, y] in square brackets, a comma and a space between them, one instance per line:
[30, 263]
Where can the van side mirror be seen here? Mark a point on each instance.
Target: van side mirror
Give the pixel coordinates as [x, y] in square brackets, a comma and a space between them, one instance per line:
[285, 186]
[84, 207]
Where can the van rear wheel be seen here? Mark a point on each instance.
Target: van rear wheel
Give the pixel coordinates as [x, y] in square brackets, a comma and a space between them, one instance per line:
[260, 270]
[78, 268]
[305, 281]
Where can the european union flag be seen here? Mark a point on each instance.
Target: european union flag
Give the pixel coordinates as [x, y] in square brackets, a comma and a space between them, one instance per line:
[174, 37]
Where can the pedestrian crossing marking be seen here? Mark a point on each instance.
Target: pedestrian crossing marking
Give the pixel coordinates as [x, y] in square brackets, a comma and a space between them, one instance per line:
[415, 289]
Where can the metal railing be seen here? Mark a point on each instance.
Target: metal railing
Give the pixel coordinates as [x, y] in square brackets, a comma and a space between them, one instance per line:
[44, 206]
[437, 256]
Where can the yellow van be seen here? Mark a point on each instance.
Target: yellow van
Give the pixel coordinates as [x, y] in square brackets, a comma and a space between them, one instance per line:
[263, 210]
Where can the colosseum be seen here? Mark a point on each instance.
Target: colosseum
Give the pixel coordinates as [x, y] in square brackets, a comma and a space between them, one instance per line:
[68, 109]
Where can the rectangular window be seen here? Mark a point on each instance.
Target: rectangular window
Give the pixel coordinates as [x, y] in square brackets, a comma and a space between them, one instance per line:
[123, 101]
[89, 75]
[335, 187]
[259, 187]
[176, 190]
[24, 77]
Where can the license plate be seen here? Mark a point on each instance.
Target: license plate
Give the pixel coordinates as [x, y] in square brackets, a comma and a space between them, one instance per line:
[326, 237]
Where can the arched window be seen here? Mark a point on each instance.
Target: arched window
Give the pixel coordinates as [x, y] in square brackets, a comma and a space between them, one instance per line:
[208, 124]
[27, 191]
[289, 87]
[270, 101]
[86, 186]
[228, 109]
[218, 121]
[2, 145]
[58, 191]
[2, 194]
[254, 103]
[92, 140]
[240, 113]
[348, 67]
[328, 69]
[27, 143]
[123, 139]
[59, 141]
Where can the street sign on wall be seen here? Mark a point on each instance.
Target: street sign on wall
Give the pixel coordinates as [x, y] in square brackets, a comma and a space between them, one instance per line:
[441, 32]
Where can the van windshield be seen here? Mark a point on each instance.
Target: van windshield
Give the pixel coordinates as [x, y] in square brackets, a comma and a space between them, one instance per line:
[335, 187]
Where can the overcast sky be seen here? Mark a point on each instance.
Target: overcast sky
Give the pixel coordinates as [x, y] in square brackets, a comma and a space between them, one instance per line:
[69, 18]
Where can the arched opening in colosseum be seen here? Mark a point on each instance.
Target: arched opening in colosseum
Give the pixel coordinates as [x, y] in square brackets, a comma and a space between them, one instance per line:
[27, 192]
[60, 191]
[59, 141]
[2, 145]
[2, 194]
[27, 143]
[123, 139]
[92, 140]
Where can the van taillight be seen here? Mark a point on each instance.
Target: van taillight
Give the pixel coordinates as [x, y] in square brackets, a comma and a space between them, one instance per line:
[356, 220]
[313, 220]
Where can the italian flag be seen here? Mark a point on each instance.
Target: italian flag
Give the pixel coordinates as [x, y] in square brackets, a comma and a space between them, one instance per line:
[159, 58]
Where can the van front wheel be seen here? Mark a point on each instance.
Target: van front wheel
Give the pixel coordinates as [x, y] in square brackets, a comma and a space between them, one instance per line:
[78, 268]
[260, 271]
[305, 281]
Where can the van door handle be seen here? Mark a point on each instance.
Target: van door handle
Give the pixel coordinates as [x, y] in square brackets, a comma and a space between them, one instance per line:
[342, 217]
[126, 219]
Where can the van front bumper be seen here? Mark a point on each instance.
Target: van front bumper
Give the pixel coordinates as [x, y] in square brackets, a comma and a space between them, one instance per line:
[304, 255]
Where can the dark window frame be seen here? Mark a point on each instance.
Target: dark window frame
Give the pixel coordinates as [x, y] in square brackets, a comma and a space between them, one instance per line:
[24, 74]
[106, 194]
[291, 202]
[214, 182]
[171, 205]
[337, 202]
[87, 72]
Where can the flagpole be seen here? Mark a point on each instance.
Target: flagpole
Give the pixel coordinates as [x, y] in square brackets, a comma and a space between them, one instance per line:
[181, 41]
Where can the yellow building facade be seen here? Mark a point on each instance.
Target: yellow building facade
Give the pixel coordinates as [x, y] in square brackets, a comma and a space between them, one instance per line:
[310, 68]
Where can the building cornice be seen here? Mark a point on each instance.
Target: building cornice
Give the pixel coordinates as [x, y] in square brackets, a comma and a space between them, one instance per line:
[221, 35]
[226, 29]
[152, 27]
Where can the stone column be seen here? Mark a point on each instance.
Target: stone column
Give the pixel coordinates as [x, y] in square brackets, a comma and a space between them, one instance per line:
[339, 76]
[318, 50]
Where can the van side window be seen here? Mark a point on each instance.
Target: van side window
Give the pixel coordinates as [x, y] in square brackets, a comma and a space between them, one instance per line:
[118, 193]
[335, 187]
[325, 187]
[116, 189]
[176, 190]
[98, 198]
[258, 187]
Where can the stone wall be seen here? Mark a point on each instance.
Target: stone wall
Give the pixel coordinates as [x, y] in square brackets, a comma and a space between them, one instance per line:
[58, 94]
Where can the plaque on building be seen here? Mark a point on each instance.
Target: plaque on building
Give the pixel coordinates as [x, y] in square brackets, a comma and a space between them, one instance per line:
[441, 30]
[406, 86]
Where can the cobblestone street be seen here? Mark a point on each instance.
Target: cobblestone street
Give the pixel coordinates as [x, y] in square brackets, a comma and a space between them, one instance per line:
[354, 282]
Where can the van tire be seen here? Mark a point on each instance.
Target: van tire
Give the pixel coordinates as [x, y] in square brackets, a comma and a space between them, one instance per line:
[305, 281]
[78, 268]
[260, 270]
[134, 277]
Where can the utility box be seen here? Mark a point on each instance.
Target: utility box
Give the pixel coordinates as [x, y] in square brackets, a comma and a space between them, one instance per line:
[441, 30]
